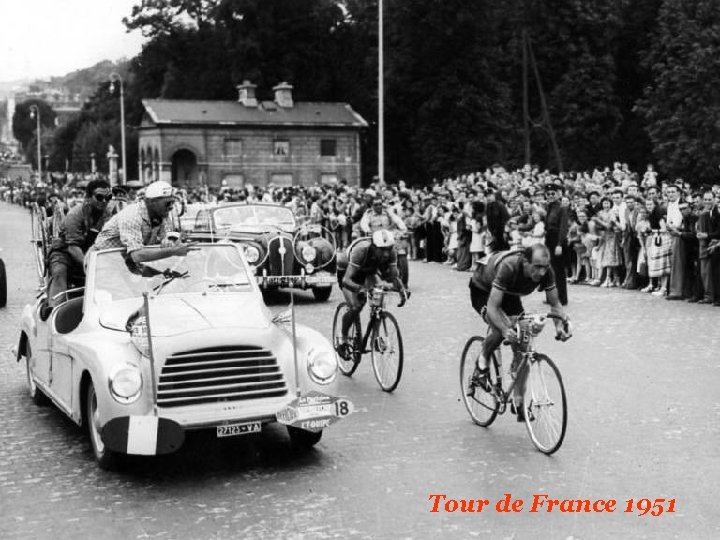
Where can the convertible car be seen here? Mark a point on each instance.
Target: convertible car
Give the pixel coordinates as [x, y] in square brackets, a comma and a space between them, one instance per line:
[281, 253]
[146, 353]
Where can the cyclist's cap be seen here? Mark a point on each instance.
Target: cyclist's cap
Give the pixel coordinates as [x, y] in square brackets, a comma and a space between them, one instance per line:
[158, 190]
[383, 238]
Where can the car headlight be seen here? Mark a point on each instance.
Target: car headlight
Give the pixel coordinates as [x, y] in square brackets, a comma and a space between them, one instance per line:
[125, 384]
[252, 254]
[322, 366]
[139, 336]
[309, 253]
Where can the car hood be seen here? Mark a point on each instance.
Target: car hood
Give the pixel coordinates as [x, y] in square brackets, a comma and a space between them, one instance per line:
[172, 315]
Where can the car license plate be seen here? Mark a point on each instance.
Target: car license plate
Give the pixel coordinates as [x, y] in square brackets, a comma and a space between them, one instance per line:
[231, 430]
[282, 281]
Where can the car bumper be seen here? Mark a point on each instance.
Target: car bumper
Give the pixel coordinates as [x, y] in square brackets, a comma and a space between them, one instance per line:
[165, 433]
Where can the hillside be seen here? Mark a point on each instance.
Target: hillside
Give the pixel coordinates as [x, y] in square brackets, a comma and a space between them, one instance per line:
[85, 81]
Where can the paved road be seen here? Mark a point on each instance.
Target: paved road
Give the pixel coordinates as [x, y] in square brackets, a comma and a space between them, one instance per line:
[642, 376]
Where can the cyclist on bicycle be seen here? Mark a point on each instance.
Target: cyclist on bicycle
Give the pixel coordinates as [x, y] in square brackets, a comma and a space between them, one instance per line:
[495, 292]
[369, 261]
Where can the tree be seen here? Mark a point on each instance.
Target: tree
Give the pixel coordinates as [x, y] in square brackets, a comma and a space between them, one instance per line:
[682, 103]
[24, 126]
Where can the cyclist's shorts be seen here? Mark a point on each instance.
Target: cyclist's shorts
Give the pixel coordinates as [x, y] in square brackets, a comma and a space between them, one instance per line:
[511, 304]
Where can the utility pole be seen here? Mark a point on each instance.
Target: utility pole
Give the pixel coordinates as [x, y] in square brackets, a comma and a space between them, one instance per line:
[381, 98]
[546, 124]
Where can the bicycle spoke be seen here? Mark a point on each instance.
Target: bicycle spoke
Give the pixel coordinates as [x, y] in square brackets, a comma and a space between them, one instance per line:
[386, 351]
[545, 399]
[481, 405]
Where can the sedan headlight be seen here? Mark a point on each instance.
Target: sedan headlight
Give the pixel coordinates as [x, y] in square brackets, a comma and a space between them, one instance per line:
[309, 253]
[322, 366]
[125, 384]
[252, 254]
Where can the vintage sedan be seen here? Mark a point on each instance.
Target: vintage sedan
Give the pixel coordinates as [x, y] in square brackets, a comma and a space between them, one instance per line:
[282, 253]
[150, 352]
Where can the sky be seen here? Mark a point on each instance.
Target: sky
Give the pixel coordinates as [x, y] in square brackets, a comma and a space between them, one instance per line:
[44, 38]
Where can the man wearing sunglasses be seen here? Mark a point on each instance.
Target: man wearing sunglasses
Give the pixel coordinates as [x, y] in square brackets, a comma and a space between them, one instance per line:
[496, 289]
[77, 233]
[145, 223]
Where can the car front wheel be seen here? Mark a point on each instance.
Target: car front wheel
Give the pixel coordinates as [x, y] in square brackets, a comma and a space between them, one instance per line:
[106, 458]
[303, 440]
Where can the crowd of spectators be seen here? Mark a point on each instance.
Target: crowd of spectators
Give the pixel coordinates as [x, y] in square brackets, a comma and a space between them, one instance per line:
[608, 227]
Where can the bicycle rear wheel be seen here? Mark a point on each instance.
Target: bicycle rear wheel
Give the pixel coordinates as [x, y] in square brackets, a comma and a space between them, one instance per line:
[482, 405]
[349, 358]
[386, 351]
[545, 405]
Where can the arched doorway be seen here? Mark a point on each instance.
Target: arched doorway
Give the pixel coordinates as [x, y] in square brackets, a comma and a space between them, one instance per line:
[184, 168]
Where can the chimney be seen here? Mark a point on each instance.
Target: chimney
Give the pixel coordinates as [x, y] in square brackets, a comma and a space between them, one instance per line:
[246, 94]
[283, 95]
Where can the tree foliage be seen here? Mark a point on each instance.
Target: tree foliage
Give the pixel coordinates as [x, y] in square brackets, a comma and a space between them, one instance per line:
[622, 78]
[682, 104]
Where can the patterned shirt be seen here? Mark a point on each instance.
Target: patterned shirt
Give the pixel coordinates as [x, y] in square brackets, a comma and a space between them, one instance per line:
[132, 229]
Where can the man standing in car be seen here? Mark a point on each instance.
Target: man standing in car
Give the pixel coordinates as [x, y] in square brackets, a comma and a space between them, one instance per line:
[77, 234]
[145, 223]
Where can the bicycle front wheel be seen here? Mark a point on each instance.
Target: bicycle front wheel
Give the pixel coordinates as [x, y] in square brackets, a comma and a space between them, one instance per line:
[349, 358]
[545, 405]
[482, 405]
[386, 351]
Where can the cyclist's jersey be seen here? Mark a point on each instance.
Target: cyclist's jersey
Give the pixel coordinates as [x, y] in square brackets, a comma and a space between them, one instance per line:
[361, 257]
[504, 271]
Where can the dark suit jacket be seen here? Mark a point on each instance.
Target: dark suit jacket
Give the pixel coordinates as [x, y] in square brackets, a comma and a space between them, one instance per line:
[556, 225]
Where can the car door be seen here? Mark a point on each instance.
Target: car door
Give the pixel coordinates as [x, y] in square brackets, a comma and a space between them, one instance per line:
[62, 362]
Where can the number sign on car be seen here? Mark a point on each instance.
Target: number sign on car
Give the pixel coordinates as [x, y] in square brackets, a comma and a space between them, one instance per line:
[231, 430]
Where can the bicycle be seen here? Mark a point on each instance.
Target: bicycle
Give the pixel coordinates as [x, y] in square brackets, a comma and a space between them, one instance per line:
[543, 398]
[383, 335]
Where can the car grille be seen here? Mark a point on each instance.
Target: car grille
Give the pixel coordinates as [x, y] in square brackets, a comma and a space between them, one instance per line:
[219, 374]
[281, 264]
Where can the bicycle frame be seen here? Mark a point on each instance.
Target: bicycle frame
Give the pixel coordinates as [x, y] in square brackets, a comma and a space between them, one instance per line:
[376, 313]
[526, 341]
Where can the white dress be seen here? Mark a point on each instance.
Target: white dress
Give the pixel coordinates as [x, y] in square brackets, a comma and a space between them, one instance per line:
[477, 244]
[453, 242]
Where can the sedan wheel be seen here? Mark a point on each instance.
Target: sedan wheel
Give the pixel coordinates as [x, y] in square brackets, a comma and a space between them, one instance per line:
[322, 293]
[106, 458]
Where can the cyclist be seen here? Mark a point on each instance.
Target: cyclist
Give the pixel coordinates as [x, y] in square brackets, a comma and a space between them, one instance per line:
[495, 291]
[369, 261]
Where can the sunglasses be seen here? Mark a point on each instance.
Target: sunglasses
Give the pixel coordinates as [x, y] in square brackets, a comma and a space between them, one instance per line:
[102, 198]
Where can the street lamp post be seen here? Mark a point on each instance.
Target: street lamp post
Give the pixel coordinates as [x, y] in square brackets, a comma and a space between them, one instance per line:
[381, 98]
[113, 78]
[35, 113]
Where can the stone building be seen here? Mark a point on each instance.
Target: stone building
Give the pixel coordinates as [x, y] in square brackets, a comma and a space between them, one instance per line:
[248, 141]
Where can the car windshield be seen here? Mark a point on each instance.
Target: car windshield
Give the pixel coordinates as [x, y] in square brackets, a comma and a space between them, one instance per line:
[208, 268]
[233, 216]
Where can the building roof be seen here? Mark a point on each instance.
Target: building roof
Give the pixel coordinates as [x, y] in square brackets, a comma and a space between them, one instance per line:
[171, 111]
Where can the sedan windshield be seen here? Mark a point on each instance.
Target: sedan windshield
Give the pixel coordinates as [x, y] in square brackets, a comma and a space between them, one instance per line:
[233, 216]
[209, 268]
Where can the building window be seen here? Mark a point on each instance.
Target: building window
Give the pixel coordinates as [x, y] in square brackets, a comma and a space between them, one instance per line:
[233, 148]
[281, 148]
[328, 147]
